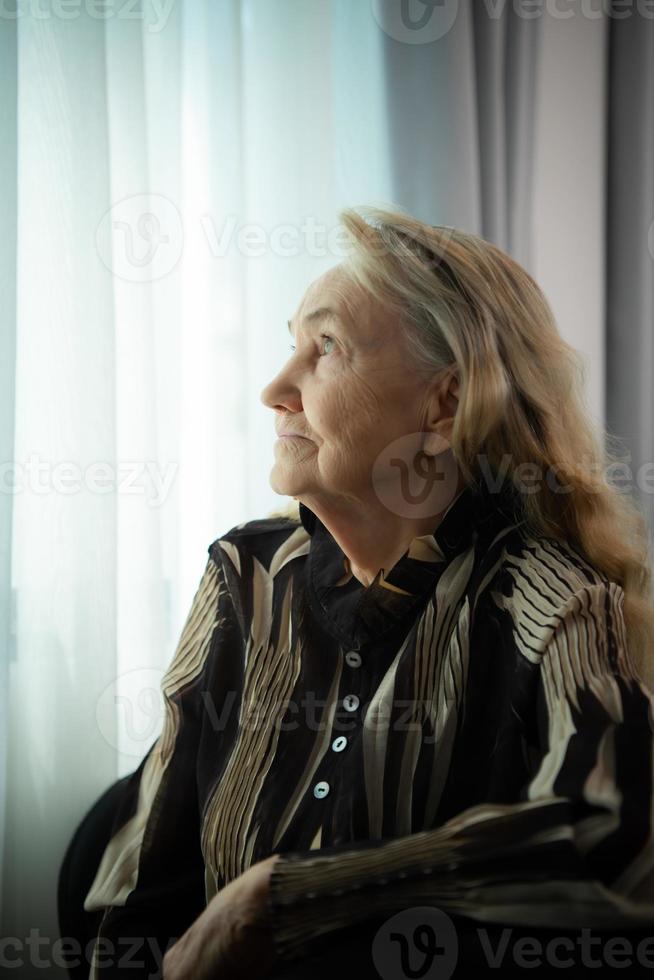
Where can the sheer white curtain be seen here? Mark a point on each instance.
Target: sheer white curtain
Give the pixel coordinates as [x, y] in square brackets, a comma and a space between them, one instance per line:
[148, 319]
[170, 180]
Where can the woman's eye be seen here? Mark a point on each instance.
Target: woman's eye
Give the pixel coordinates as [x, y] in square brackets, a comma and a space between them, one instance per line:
[323, 336]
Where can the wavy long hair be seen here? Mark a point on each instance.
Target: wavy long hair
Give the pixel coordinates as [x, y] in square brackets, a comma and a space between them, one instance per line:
[466, 304]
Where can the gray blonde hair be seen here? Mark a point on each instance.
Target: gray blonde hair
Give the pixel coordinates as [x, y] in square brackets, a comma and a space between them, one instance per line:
[464, 303]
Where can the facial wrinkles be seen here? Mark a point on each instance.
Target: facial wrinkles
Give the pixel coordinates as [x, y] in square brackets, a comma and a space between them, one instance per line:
[338, 396]
[345, 407]
[366, 369]
[342, 423]
[366, 402]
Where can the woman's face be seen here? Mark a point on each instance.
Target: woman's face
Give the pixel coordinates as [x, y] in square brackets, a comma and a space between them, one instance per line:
[350, 389]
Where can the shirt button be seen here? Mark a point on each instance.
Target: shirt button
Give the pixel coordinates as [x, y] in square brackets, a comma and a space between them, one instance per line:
[321, 789]
[352, 659]
[350, 702]
[339, 743]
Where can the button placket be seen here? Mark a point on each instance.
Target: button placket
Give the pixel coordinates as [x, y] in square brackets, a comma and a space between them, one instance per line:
[350, 702]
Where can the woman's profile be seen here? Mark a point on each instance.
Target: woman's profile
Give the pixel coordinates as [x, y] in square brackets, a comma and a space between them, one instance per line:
[426, 682]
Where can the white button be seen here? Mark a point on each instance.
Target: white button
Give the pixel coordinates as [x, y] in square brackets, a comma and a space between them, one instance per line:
[339, 743]
[350, 702]
[321, 789]
[352, 659]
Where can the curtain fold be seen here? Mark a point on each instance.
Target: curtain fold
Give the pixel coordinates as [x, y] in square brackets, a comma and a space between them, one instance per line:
[630, 246]
[462, 123]
[507, 63]
[63, 572]
[176, 190]
[8, 177]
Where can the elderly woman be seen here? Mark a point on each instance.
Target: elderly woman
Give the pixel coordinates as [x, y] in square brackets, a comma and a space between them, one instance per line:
[424, 689]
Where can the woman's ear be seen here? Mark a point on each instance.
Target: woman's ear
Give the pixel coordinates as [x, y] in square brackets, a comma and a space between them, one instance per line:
[451, 390]
[450, 404]
[443, 406]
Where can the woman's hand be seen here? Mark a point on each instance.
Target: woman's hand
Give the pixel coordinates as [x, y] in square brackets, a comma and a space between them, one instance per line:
[232, 937]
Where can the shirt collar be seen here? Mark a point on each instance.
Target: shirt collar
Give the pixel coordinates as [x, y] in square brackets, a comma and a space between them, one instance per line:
[357, 614]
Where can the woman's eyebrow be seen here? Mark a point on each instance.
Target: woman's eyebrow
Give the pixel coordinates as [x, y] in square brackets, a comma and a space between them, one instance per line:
[322, 313]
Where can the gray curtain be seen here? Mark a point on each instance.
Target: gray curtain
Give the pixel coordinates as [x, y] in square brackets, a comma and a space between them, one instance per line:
[8, 79]
[630, 244]
[462, 132]
[462, 124]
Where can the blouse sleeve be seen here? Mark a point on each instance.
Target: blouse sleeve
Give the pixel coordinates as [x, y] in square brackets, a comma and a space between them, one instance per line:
[575, 849]
[150, 881]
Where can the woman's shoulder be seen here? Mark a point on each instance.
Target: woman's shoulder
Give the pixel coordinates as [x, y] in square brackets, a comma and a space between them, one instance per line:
[264, 538]
[555, 559]
[536, 580]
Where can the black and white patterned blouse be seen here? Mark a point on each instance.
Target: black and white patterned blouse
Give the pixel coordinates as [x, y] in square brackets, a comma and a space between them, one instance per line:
[468, 732]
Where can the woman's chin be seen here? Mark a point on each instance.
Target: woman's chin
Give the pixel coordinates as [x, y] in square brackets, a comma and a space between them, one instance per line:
[287, 483]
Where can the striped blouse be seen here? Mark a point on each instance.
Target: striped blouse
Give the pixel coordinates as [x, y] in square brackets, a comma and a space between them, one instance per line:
[468, 731]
